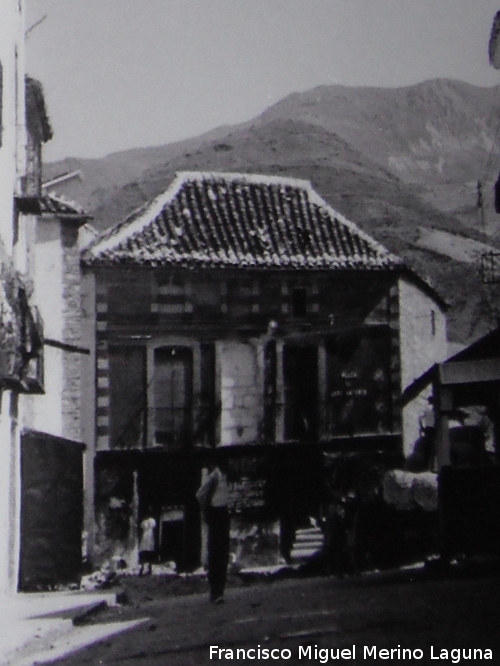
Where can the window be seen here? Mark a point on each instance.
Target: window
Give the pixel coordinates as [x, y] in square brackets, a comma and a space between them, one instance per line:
[127, 399]
[204, 425]
[433, 323]
[299, 302]
[172, 391]
[300, 375]
[243, 296]
[129, 296]
[155, 406]
[170, 294]
[358, 376]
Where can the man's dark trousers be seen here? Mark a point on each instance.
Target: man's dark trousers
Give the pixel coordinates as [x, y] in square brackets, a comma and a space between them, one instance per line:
[218, 549]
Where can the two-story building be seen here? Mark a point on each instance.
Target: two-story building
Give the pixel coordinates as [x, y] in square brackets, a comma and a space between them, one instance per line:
[41, 466]
[242, 311]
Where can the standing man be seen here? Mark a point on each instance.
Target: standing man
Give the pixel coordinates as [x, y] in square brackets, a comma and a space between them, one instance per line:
[213, 496]
[147, 542]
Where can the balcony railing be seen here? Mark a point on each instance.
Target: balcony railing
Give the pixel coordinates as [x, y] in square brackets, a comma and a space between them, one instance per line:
[172, 426]
[21, 337]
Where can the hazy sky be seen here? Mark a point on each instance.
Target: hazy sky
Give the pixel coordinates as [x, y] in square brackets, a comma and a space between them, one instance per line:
[124, 73]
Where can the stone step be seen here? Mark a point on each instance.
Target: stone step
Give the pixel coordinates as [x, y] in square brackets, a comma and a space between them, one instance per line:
[309, 537]
[303, 554]
[308, 541]
[309, 530]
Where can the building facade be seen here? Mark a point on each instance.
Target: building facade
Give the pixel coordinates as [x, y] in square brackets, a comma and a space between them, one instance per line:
[40, 357]
[242, 312]
[12, 171]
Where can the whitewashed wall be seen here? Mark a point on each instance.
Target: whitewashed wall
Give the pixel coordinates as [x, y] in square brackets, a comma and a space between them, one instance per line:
[12, 166]
[423, 343]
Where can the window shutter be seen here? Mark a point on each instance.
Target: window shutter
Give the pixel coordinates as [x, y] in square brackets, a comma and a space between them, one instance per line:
[128, 400]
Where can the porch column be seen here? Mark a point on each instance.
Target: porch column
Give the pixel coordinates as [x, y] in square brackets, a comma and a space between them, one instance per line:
[442, 406]
[323, 425]
[280, 393]
[494, 414]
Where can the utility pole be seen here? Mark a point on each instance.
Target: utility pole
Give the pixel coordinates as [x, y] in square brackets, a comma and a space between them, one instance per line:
[494, 43]
[480, 206]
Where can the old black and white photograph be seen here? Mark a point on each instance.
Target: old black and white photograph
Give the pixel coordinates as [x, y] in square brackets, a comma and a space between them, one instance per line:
[249, 332]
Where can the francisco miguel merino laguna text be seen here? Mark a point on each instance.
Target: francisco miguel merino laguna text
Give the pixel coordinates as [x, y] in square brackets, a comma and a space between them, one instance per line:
[323, 655]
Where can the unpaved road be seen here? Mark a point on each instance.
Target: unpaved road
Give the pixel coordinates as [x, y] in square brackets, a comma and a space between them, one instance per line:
[408, 610]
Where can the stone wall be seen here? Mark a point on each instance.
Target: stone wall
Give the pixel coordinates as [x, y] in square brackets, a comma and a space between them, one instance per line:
[241, 392]
[71, 333]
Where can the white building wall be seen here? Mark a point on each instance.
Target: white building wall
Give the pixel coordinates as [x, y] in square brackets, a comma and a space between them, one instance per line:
[423, 343]
[48, 278]
[45, 414]
[10, 491]
[12, 166]
[12, 155]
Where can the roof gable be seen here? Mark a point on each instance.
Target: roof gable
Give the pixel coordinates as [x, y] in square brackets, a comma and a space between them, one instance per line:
[239, 221]
[56, 205]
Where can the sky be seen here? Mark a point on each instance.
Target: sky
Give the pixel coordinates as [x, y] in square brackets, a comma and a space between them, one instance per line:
[120, 74]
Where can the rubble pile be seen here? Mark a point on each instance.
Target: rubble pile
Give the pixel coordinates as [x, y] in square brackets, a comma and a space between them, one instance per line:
[410, 490]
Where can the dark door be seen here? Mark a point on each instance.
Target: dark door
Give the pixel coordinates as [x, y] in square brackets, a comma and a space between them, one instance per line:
[300, 374]
[167, 484]
[51, 511]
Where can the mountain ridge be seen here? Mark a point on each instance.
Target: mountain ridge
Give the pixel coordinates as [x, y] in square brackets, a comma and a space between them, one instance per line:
[395, 161]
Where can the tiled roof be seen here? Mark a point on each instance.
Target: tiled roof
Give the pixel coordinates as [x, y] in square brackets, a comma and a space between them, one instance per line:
[53, 205]
[242, 221]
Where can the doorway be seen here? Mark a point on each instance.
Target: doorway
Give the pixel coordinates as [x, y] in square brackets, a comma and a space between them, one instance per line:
[172, 395]
[51, 511]
[300, 375]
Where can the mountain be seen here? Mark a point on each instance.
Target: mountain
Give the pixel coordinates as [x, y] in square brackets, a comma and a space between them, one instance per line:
[402, 163]
[439, 135]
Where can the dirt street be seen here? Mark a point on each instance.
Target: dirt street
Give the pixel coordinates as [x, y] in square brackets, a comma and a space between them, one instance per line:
[307, 620]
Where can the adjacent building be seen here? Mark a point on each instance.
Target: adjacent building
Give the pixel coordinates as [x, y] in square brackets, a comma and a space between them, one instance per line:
[41, 485]
[465, 436]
